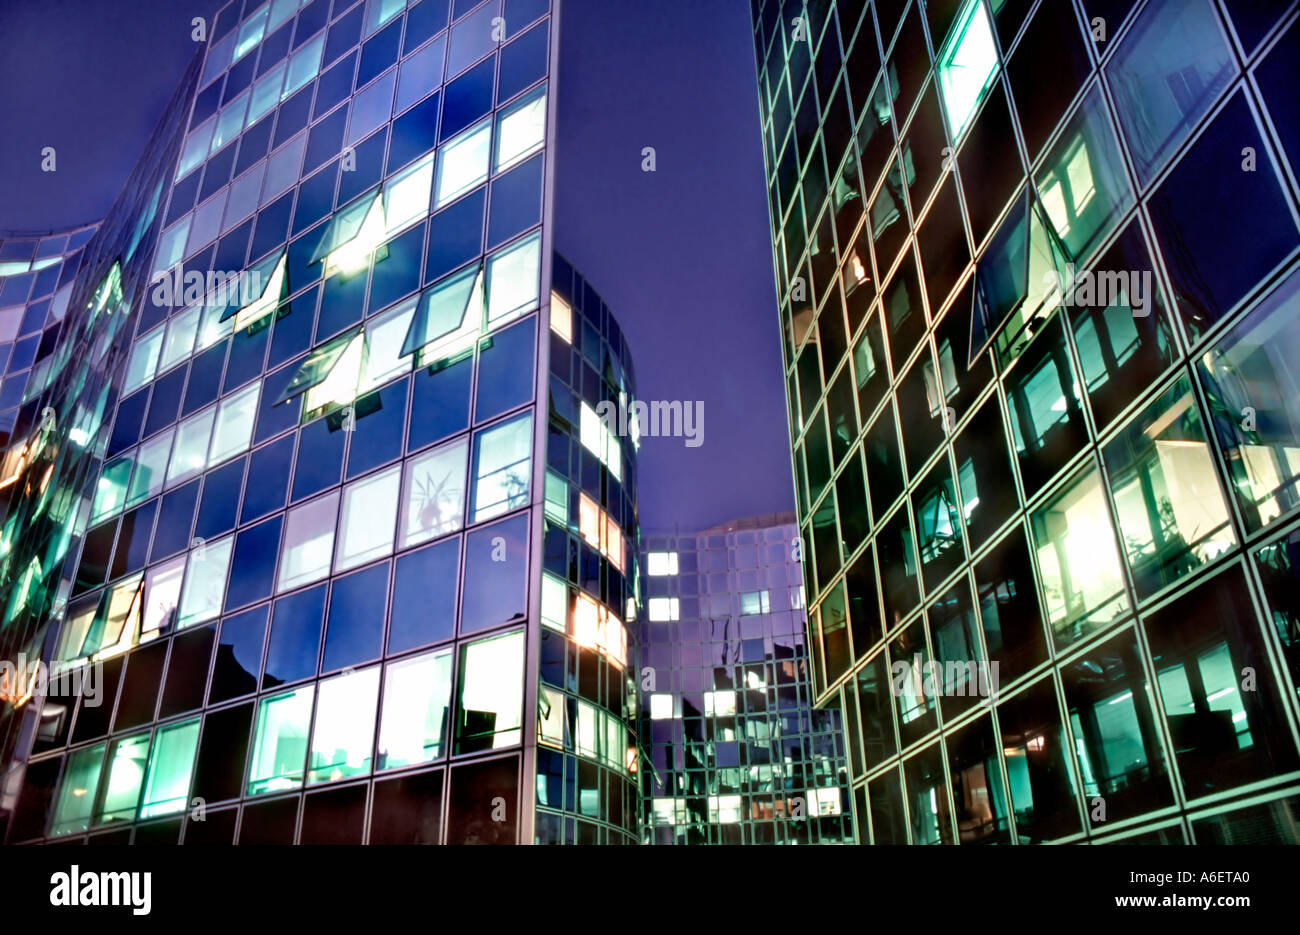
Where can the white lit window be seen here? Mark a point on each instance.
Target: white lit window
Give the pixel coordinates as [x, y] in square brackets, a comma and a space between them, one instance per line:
[587, 740]
[406, 195]
[463, 162]
[664, 608]
[434, 503]
[205, 581]
[561, 318]
[724, 809]
[448, 318]
[339, 386]
[417, 694]
[345, 726]
[502, 457]
[190, 453]
[143, 364]
[586, 622]
[719, 704]
[661, 707]
[356, 233]
[384, 336]
[555, 603]
[234, 427]
[369, 514]
[162, 596]
[521, 130]
[491, 692]
[180, 339]
[551, 717]
[512, 277]
[269, 277]
[661, 563]
[308, 542]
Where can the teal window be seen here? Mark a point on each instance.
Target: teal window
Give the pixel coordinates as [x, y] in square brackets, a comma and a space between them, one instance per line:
[150, 468]
[344, 733]
[280, 742]
[171, 765]
[125, 775]
[968, 64]
[141, 367]
[205, 581]
[77, 791]
[417, 699]
[111, 489]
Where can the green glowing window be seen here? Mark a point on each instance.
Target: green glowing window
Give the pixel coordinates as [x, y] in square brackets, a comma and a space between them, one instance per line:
[190, 453]
[77, 791]
[125, 773]
[490, 693]
[968, 63]
[150, 468]
[280, 742]
[417, 696]
[111, 490]
[512, 282]
[141, 367]
[557, 498]
[345, 726]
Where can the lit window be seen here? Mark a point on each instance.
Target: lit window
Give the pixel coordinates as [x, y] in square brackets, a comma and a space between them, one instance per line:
[303, 66]
[269, 276]
[661, 563]
[141, 367]
[110, 493]
[612, 543]
[417, 694]
[124, 776]
[557, 498]
[250, 34]
[463, 162]
[205, 581]
[369, 514]
[968, 63]
[435, 493]
[281, 10]
[118, 622]
[720, 704]
[385, 335]
[490, 693]
[308, 542]
[521, 128]
[280, 742]
[724, 809]
[551, 717]
[171, 765]
[512, 279]
[589, 520]
[447, 319]
[78, 790]
[266, 93]
[661, 707]
[502, 465]
[329, 374]
[586, 622]
[379, 12]
[664, 608]
[406, 195]
[162, 597]
[190, 453]
[150, 468]
[588, 733]
[234, 425]
[754, 602]
[180, 339]
[555, 603]
[171, 245]
[561, 318]
[345, 726]
[353, 236]
[230, 122]
[193, 152]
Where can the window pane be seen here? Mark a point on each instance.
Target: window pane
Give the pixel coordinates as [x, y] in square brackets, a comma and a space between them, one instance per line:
[308, 542]
[369, 513]
[171, 765]
[502, 465]
[490, 693]
[144, 360]
[303, 66]
[345, 726]
[1079, 563]
[180, 339]
[191, 450]
[417, 696]
[205, 581]
[280, 742]
[448, 318]
[1042, 786]
[1170, 67]
[162, 596]
[463, 163]
[520, 130]
[1172, 517]
[435, 493]
[77, 791]
[967, 66]
[234, 425]
[1251, 378]
[111, 490]
[266, 93]
[406, 195]
[125, 773]
[384, 338]
[512, 278]
[150, 468]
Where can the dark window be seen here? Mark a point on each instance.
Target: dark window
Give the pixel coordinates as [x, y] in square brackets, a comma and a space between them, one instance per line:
[424, 596]
[355, 630]
[239, 655]
[1043, 794]
[496, 575]
[474, 812]
[295, 637]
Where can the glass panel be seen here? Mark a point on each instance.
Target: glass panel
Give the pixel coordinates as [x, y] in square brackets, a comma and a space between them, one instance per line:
[502, 456]
[234, 424]
[205, 581]
[435, 493]
[967, 65]
[111, 489]
[406, 195]
[1078, 560]
[927, 795]
[385, 336]
[1171, 511]
[448, 318]
[369, 514]
[141, 367]
[180, 339]
[1038, 775]
[267, 282]
[463, 163]
[190, 453]
[417, 698]
[308, 542]
[1252, 384]
[981, 805]
[124, 775]
[162, 596]
[344, 733]
[303, 66]
[521, 128]
[171, 765]
[512, 279]
[280, 741]
[77, 791]
[150, 468]
[490, 693]
[320, 363]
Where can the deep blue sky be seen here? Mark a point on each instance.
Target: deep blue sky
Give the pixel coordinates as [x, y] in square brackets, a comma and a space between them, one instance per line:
[681, 255]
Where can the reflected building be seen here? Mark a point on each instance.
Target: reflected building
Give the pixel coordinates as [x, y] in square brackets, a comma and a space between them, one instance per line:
[734, 751]
[1039, 282]
[311, 533]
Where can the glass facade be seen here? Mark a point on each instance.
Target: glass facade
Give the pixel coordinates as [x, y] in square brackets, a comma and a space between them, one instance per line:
[1038, 276]
[735, 752]
[306, 532]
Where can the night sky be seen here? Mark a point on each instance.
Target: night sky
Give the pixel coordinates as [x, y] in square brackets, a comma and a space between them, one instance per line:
[682, 255]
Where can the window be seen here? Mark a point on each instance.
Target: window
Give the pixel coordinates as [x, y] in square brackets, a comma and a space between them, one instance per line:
[1082, 583]
[664, 608]
[110, 492]
[521, 128]
[434, 501]
[417, 695]
[661, 563]
[308, 542]
[561, 318]
[369, 515]
[661, 707]
[234, 424]
[1172, 517]
[205, 581]
[268, 279]
[502, 456]
[124, 775]
[280, 741]
[968, 65]
[719, 704]
[266, 93]
[250, 34]
[345, 726]
[551, 717]
[490, 693]
[77, 791]
[303, 66]
[180, 339]
[463, 163]
[384, 336]
[191, 450]
[171, 765]
[1170, 67]
[162, 597]
[512, 279]
[379, 12]
[447, 318]
[406, 195]
[555, 603]
[143, 364]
